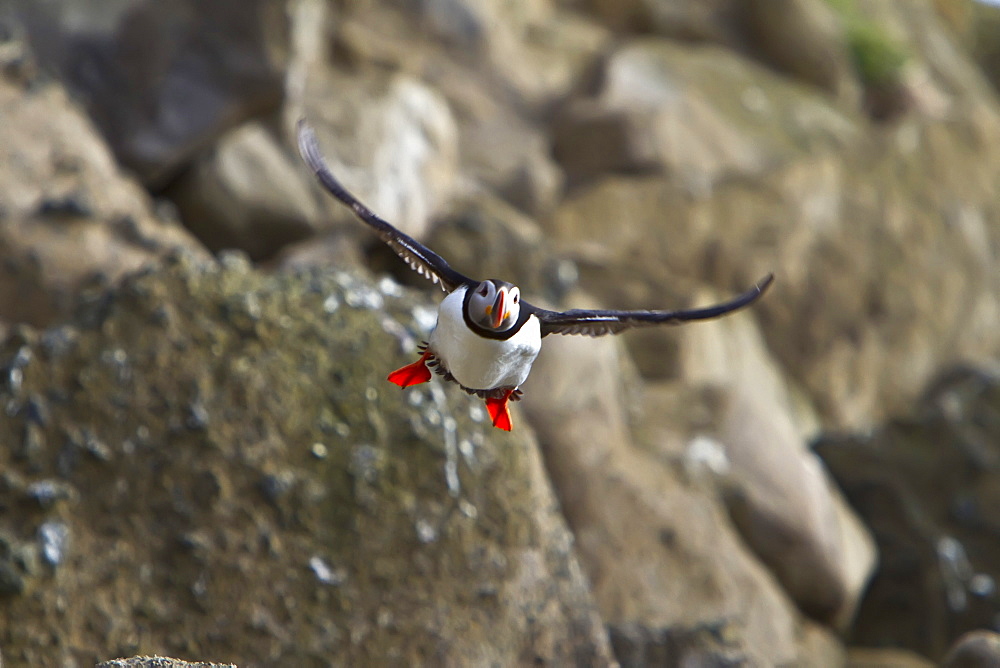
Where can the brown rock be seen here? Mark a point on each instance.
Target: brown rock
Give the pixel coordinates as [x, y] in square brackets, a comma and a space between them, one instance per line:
[670, 575]
[865, 657]
[159, 662]
[778, 493]
[927, 485]
[975, 649]
[69, 216]
[859, 348]
[484, 237]
[698, 114]
[500, 66]
[728, 416]
[532, 50]
[245, 480]
[391, 140]
[717, 21]
[806, 40]
[247, 194]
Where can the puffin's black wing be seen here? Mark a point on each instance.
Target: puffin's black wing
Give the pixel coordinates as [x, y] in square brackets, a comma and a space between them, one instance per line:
[420, 258]
[599, 323]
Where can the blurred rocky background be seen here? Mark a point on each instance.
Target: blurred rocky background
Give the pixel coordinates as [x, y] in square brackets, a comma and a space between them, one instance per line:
[199, 455]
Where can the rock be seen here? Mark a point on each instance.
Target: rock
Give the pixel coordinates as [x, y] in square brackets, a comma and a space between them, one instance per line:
[530, 51]
[886, 323]
[778, 493]
[659, 107]
[158, 662]
[246, 193]
[717, 21]
[982, 31]
[486, 238]
[500, 66]
[710, 645]
[264, 492]
[513, 160]
[162, 81]
[865, 657]
[976, 649]
[670, 575]
[804, 39]
[942, 78]
[927, 485]
[391, 140]
[69, 216]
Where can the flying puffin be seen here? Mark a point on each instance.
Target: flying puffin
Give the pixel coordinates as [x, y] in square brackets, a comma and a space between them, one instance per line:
[487, 337]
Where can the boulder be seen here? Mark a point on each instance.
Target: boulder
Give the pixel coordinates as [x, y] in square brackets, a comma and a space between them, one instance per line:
[69, 216]
[158, 662]
[699, 114]
[872, 657]
[484, 237]
[532, 50]
[499, 65]
[928, 485]
[976, 649]
[806, 40]
[718, 21]
[209, 461]
[246, 193]
[162, 81]
[860, 348]
[778, 493]
[672, 578]
[391, 140]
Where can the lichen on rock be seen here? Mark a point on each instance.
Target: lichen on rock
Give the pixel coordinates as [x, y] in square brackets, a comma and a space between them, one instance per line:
[255, 489]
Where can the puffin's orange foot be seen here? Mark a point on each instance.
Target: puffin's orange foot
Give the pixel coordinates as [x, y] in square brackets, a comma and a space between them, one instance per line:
[412, 374]
[499, 412]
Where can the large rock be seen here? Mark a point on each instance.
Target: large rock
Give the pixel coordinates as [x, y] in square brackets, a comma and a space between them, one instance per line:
[976, 649]
[484, 237]
[778, 493]
[672, 578]
[928, 485]
[246, 193]
[531, 51]
[158, 662]
[861, 348]
[391, 140]
[718, 21]
[500, 65]
[161, 80]
[68, 214]
[209, 462]
[699, 114]
[804, 39]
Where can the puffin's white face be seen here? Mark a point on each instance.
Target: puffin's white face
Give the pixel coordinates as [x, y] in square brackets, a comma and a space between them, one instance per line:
[495, 305]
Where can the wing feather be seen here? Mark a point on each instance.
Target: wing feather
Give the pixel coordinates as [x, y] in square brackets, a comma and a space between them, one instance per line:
[599, 323]
[418, 257]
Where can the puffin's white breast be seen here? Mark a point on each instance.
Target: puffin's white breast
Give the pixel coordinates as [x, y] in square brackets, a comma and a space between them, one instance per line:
[479, 363]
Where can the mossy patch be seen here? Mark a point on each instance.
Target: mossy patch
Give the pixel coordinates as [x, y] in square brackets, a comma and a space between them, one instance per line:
[878, 58]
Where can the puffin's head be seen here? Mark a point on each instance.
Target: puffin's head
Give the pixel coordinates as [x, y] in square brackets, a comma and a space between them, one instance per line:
[495, 305]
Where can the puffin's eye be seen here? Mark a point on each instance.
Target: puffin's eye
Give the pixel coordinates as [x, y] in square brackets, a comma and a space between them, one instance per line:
[516, 295]
[483, 290]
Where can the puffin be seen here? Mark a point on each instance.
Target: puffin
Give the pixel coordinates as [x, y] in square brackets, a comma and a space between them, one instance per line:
[487, 337]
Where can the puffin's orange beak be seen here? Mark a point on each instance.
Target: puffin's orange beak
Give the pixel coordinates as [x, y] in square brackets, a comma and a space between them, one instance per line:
[498, 308]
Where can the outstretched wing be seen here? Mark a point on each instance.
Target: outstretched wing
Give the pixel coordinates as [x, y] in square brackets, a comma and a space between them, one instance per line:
[599, 323]
[420, 258]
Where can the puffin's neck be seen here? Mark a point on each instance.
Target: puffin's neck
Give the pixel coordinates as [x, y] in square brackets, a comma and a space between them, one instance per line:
[491, 333]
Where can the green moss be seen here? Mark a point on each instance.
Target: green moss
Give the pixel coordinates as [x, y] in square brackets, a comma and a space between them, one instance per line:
[878, 58]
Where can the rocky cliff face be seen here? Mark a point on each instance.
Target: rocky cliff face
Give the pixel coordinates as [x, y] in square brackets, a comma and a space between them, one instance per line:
[210, 462]
[201, 457]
